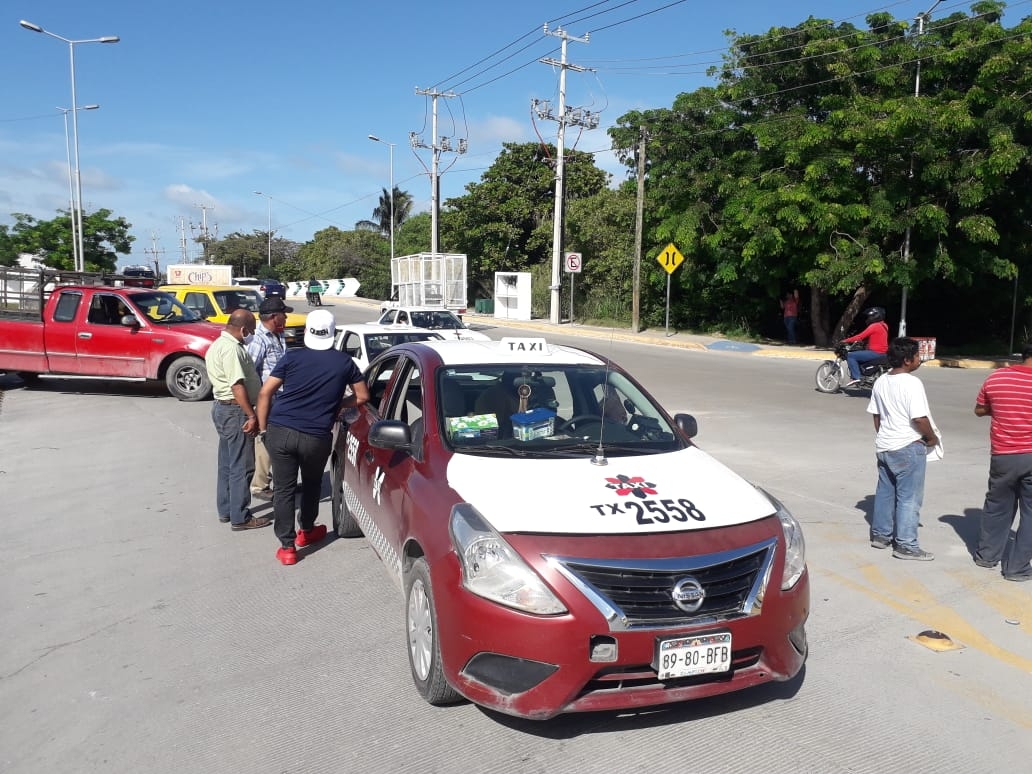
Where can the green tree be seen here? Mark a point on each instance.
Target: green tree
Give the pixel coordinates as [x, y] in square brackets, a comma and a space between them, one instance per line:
[104, 239]
[359, 254]
[504, 222]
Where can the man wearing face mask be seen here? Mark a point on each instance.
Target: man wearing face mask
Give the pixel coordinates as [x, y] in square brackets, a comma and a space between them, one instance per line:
[266, 347]
[235, 385]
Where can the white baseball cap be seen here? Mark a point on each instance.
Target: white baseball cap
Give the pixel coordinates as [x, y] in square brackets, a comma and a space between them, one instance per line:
[320, 328]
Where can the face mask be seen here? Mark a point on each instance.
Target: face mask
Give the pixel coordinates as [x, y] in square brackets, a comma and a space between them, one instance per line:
[248, 339]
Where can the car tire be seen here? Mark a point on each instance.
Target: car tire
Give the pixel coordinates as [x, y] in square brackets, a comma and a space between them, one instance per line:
[344, 523]
[423, 637]
[187, 379]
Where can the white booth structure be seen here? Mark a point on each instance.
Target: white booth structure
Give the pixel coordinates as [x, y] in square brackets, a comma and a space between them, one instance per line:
[512, 295]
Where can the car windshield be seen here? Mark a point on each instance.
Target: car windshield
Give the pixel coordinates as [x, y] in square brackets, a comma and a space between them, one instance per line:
[379, 342]
[544, 410]
[241, 298]
[163, 307]
[436, 321]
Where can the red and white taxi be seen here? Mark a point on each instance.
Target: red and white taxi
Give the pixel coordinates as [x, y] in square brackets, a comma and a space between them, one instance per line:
[561, 544]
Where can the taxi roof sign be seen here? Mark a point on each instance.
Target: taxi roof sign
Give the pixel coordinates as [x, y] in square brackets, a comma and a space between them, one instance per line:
[528, 344]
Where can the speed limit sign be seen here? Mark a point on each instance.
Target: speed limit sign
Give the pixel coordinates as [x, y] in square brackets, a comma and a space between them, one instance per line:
[573, 263]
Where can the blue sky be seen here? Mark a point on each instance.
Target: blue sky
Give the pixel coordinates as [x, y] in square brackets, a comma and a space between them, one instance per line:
[204, 103]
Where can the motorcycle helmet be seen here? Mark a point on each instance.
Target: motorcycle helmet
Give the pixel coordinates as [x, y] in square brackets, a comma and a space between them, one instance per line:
[874, 314]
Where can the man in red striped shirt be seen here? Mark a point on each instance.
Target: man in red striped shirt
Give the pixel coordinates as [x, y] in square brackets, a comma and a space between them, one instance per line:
[1006, 396]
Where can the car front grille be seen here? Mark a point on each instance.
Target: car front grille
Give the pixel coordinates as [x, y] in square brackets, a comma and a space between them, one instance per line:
[638, 593]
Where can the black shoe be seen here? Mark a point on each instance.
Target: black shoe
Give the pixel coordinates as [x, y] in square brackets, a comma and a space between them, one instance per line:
[984, 563]
[912, 553]
[877, 541]
[255, 522]
[224, 519]
[1018, 578]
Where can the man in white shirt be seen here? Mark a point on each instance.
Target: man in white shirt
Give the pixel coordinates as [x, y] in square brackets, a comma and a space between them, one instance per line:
[904, 434]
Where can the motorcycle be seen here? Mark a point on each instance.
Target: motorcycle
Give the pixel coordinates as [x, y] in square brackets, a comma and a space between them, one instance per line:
[833, 375]
[313, 295]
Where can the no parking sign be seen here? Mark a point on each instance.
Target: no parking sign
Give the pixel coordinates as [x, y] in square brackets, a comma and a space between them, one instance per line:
[573, 263]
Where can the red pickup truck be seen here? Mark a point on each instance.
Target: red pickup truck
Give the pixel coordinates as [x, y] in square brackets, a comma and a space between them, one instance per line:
[104, 330]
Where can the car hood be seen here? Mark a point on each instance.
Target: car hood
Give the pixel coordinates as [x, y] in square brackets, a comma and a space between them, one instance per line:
[683, 490]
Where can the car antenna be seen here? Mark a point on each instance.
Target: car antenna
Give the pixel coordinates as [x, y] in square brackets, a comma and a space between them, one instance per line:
[600, 453]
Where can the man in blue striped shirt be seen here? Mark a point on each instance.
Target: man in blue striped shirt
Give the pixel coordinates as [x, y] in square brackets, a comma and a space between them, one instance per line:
[266, 347]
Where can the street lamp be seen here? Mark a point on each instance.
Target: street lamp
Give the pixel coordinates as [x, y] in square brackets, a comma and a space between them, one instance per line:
[390, 145]
[259, 193]
[920, 19]
[71, 190]
[75, 124]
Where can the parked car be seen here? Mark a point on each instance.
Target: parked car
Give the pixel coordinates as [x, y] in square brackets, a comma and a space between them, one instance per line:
[215, 302]
[561, 542]
[445, 322]
[271, 287]
[139, 277]
[364, 342]
[248, 281]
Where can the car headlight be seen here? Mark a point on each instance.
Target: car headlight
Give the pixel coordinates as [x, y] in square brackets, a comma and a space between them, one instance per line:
[795, 545]
[492, 570]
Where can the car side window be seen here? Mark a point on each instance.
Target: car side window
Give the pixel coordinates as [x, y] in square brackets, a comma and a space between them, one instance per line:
[405, 402]
[378, 379]
[200, 303]
[67, 306]
[352, 344]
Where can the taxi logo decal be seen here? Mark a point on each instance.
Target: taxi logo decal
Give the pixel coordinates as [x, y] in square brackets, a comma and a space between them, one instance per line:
[378, 477]
[635, 485]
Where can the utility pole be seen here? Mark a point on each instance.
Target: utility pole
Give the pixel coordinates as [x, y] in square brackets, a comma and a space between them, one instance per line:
[921, 19]
[638, 227]
[154, 252]
[206, 235]
[437, 146]
[566, 116]
[181, 228]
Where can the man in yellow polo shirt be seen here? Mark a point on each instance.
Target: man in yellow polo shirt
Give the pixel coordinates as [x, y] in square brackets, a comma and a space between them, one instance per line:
[235, 384]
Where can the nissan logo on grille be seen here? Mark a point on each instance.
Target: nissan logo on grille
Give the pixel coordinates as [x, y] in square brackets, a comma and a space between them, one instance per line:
[688, 594]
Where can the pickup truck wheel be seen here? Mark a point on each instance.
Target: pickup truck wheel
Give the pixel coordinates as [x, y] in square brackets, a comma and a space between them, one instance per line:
[424, 639]
[187, 379]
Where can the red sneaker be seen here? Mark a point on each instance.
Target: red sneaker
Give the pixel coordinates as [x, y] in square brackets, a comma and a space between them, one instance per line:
[286, 555]
[311, 536]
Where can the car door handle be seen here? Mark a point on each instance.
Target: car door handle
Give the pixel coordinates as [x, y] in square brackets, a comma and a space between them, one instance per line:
[84, 335]
[368, 456]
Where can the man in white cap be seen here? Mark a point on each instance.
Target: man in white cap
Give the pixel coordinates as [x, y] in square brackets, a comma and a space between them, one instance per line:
[297, 428]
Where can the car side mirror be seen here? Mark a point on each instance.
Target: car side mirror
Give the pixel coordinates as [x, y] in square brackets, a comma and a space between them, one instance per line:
[130, 321]
[390, 434]
[689, 426]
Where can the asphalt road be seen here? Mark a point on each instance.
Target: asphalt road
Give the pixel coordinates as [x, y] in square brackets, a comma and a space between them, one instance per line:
[139, 634]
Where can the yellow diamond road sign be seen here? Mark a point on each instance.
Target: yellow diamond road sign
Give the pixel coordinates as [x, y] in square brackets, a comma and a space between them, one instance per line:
[670, 258]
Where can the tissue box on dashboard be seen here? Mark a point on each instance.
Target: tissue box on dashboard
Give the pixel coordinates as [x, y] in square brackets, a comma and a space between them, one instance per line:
[537, 423]
[481, 427]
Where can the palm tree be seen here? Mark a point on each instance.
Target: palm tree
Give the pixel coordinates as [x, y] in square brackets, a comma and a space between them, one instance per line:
[402, 209]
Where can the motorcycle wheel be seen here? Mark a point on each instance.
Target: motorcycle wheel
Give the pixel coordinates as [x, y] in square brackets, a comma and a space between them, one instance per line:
[827, 376]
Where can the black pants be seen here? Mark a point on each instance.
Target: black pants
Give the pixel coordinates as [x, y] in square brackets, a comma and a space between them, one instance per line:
[291, 451]
[1010, 493]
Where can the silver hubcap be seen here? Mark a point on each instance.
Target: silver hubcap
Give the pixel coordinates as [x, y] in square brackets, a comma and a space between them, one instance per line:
[420, 630]
[188, 379]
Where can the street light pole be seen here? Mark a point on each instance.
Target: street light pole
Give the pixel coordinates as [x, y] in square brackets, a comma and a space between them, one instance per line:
[259, 193]
[71, 189]
[390, 145]
[81, 257]
[920, 19]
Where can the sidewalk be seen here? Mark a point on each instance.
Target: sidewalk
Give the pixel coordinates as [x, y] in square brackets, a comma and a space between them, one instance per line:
[659, 337]
[713, 343]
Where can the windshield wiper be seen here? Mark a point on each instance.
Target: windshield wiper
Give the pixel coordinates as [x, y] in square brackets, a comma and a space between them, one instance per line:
[492, 449]
[578, 449]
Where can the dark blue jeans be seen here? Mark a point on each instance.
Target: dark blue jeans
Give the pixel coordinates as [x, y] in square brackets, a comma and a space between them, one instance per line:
[790, 329]
[859, 356]
[1010, 490]
[900, 492]
[291, 451]
[236, 463]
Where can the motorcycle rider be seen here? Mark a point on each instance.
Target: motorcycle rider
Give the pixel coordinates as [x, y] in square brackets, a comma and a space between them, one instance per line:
[877, 335]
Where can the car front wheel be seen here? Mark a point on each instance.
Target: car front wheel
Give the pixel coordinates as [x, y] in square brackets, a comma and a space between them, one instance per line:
[424, 644]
